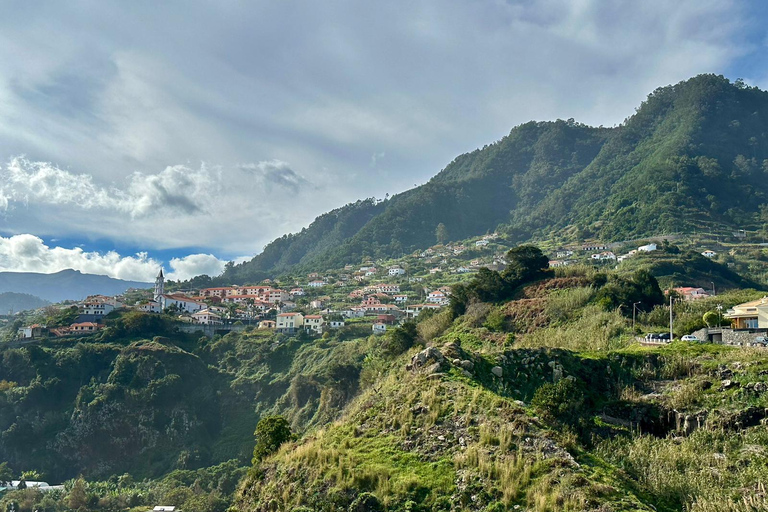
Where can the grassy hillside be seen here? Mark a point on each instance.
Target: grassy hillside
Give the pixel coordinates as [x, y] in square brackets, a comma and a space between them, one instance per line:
[691, 157]
[489, 417]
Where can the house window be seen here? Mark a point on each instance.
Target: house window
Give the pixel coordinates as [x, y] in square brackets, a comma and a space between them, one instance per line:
[751, 323]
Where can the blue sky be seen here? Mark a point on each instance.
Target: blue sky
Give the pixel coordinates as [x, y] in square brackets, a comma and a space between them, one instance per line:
[188, 133]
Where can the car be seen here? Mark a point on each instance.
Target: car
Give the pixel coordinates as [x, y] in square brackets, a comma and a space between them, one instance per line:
[760, 341]
[690, 337]
[664, 336]
[651, 336]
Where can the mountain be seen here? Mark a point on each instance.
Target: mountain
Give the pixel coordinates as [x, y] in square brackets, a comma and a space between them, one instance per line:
[693, 156]
[65, 285]
[10, 301]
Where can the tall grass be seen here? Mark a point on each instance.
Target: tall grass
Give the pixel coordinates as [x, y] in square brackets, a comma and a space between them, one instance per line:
[595, 329]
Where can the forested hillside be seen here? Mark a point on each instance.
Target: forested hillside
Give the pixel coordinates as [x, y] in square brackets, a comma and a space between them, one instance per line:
[693, 156]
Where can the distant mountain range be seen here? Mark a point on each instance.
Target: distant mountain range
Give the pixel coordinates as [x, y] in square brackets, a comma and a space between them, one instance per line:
[67, 284]
[11, 302]
[693, 156]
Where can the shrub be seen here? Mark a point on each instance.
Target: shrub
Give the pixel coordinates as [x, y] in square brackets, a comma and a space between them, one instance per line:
[271, 432]
[495, 320]
[561, 401]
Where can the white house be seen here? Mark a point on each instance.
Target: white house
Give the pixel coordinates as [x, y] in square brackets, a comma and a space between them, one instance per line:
[396, 271]
[96, 308]
[401, 298]
[314, 323]
[709, 254]
[150, 307]
[437, 297]
[379, 328]
[289, 322]
[415, 309]
[206, 317]
[336, 324]
[388, 288]
[608, 255]
[297, 292]
[481, 243]
[316, 284]
[183, 303]
[647, 248]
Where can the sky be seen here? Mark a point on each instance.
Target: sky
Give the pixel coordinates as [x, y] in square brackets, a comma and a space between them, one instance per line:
[185, 134]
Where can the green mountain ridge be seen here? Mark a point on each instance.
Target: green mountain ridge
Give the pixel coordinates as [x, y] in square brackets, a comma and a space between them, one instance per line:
[691, 157]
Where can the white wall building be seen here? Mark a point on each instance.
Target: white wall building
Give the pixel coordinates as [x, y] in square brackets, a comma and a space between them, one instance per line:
[181, 302]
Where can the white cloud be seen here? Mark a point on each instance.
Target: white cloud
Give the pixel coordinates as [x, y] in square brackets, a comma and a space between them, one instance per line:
[28, 253]
[195, 265]
[176, 188]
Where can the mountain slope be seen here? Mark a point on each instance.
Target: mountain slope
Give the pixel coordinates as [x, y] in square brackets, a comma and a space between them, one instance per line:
[65, 285]
[692, 156]
[15, 302]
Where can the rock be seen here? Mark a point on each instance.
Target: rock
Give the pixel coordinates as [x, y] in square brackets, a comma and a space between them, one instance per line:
[423, 358]
[456, 362]
[452, 350]
[434, 368]
[557, 373]
[462, 442]
[497, 371]
[441, 438]
[728, 384]
[467, 365]
[520, 403]
[466, 374]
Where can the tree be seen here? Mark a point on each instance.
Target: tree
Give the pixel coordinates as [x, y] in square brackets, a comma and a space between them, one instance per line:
[524, 264]
[6, 475]
[30, 475]
[441, 233]
[710, 318]
[271, 432]
[78, 497]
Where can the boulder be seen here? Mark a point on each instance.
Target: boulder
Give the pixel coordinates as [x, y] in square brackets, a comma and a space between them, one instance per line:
[497, 371]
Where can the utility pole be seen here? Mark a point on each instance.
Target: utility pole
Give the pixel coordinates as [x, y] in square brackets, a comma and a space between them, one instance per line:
[634, 308]
[719, 315]
[671, 333]
[713, 288]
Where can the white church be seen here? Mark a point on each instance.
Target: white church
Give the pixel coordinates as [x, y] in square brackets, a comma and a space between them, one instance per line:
[163, 301]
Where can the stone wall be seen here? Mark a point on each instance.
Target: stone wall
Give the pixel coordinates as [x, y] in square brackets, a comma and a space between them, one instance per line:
[728, 336]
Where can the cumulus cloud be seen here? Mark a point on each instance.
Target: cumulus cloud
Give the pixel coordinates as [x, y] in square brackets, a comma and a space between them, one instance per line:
[195, 265]
[178, 188]
[28, 253]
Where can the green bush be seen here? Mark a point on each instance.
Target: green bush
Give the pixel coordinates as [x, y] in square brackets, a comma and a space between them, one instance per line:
[271, 432]
[561, 401]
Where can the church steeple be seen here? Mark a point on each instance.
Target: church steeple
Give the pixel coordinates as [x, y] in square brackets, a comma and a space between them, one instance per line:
[159, 286]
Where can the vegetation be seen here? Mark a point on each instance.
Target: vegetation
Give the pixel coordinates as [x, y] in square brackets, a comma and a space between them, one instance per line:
[692, 158]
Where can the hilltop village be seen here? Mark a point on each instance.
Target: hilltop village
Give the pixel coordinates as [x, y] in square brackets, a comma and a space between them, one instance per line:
[379, 294]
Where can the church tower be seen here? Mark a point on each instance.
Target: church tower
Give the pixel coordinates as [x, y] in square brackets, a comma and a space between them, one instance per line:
[159, 286]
